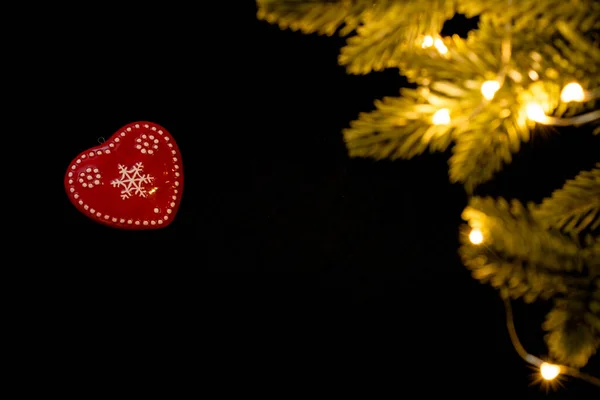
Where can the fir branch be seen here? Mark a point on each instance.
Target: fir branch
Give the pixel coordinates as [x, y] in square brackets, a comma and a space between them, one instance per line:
[572, 337]
[575, 207]
[511, 231]
[477, 156]
[538, 16]
[392, 32]
[464, 63]
[400, 127]
[403, 127]
[591, 255]
[324, 17]
[516, 278]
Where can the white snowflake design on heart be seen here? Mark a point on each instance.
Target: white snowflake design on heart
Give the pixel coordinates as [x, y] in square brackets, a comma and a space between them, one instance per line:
[132, 181]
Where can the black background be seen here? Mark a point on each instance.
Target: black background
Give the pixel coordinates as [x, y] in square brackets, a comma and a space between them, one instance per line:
[289, 268]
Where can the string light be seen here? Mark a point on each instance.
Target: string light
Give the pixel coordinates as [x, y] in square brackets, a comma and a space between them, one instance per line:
[533, 75]
[515, 76]
[572, 92]
[489, 89]
[441, 117]
[427, 42]
[476, 236]
[549, 371]
[440, 46]
[536, 113]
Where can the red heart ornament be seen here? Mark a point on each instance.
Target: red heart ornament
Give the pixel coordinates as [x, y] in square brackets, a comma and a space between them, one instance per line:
[134, 180]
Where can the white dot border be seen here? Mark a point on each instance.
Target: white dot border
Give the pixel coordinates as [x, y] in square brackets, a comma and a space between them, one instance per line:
[112, 143]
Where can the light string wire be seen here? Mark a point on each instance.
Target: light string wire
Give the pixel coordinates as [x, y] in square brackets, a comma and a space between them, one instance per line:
[573, 121]
[530, 358]
[533, 360]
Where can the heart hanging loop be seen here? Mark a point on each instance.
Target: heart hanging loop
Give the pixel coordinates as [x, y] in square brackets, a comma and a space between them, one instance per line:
[101, 140]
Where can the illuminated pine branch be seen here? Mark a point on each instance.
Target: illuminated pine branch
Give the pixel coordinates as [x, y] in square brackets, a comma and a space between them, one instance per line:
[527, 64]
[521, 254]
[576, 206]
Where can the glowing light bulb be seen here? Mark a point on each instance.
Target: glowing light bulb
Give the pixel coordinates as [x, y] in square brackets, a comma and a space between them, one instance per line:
[427, 42]
[534, 76]
[572, 92]
[441, 117]
[536, 113]
[489, 89]
[549, 371]
[440, 46]
[515, 76]
[476, 236]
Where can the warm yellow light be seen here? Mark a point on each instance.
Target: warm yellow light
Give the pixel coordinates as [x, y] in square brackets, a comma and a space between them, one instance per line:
[440, 46]
[549, 371]
[489, 89]
[476, 236]
[441, 117]
[536, 113]
[533, 75]
[515, 75]
[427, 41]
[572, 92]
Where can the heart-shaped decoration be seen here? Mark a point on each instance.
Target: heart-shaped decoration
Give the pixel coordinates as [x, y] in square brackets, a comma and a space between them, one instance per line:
[134, 180]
